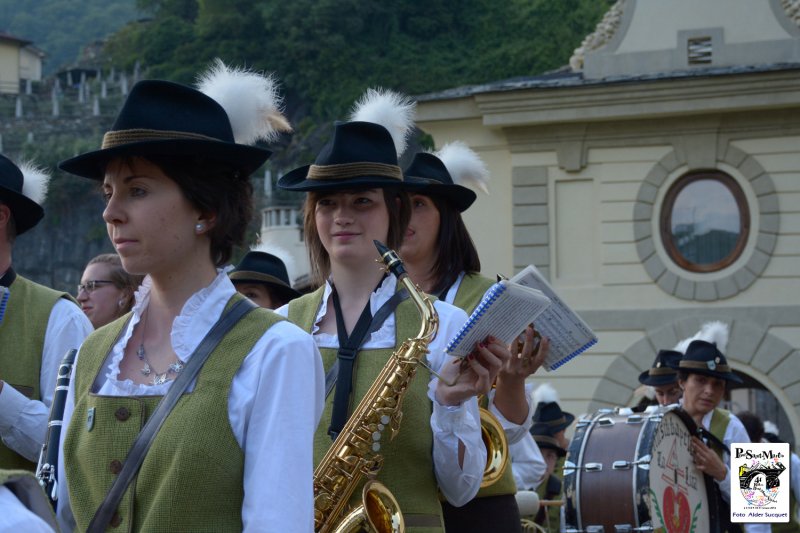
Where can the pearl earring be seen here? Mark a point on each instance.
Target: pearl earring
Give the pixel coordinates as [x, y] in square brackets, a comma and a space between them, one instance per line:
[199, 227]
[121, 303]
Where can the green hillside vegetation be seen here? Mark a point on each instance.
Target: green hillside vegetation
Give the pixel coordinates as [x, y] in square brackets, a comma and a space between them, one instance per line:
[61, 28]
[326, 52]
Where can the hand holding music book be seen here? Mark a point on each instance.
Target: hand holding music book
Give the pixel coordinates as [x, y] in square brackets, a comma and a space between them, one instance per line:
[569, 335]
[504, 312]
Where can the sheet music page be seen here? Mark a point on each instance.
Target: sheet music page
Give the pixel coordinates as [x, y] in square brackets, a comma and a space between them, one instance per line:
[504, 312]
[569, 335]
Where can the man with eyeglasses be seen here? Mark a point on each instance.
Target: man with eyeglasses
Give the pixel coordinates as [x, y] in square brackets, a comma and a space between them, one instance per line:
[38, 325]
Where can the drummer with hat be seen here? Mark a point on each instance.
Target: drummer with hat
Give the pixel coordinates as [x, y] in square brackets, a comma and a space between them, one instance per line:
[663, 377]
[262, 277]
[549, 426]
[703, 376]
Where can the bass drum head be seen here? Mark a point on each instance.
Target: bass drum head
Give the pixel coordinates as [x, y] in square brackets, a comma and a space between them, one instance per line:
[681, 499]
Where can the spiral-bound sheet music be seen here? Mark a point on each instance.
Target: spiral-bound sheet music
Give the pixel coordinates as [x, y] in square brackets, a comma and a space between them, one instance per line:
[504, 312]
[569, 335]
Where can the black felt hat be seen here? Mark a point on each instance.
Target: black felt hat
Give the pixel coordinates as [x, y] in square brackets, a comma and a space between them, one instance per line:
[428, 175]
[361, 155]
[26, 212]
[544, 439]
[703, 357]
[663, 370]
[549, 416]
[263, 267]
[164, 118]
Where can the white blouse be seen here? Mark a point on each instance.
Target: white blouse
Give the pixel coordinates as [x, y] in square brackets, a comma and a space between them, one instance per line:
[275, 403]
[450, 424]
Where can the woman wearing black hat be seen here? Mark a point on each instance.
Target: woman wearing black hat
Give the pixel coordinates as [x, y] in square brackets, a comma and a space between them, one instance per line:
[441, 257]
[354, 197]
[235, 451]
[263, 278]
[663, 377]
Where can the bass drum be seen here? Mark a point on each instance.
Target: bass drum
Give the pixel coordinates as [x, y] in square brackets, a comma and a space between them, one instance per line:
[628, 471]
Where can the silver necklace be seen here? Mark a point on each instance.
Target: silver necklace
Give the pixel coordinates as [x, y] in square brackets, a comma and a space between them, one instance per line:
[158, 378]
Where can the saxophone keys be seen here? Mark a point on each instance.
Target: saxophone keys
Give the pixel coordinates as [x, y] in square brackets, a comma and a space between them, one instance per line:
[376, 436]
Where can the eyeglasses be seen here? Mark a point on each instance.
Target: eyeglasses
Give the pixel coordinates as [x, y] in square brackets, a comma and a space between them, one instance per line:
[91, 285]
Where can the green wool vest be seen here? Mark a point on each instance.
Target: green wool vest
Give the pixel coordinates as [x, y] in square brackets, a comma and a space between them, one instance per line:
[192, 476]
[719, 423]
[408, 463]
[468, 296]
[550, 489]
[22, 334]
[27, 490]
[471, 291]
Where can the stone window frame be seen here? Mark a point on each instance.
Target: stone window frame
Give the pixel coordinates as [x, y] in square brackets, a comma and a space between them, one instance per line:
[668, 204]
[764, 215]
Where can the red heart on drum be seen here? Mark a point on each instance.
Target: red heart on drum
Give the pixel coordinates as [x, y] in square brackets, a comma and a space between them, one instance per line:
[677, 514]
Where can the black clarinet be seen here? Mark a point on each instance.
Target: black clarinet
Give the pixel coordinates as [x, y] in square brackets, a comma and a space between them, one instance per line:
[48, 458]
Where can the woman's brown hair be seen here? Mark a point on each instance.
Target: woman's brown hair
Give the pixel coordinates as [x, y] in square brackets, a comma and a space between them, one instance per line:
[455, 250]
[398, 205]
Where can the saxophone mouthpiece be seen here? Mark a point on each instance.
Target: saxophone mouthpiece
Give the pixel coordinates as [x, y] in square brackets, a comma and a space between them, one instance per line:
[390, 259]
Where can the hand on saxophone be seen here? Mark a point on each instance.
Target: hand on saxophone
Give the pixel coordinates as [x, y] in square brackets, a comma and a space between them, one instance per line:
[474, 375]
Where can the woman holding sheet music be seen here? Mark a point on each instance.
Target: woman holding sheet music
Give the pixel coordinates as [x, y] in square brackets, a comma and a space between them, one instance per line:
[354, 197]
[440, 256]
[234, 454]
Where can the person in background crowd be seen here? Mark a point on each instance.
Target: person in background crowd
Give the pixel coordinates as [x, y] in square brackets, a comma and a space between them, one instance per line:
[703, 375]
[38, 325]
[354, 197]
[549, 432]
[663, 377]
[440, 256]
[174, 173]
[105, 292]
[793, 526]
[263, 278]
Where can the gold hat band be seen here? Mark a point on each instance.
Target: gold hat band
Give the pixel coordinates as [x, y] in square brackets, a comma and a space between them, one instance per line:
[547, 439]
[662, 371]
[701, 365]
[113, 139]
[350, 170]
[557, 421]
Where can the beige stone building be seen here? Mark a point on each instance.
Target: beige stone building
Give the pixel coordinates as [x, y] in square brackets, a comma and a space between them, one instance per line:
[19, 62]
[656, 181]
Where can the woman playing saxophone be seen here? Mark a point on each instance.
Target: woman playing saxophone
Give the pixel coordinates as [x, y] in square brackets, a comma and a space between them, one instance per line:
[354, 198]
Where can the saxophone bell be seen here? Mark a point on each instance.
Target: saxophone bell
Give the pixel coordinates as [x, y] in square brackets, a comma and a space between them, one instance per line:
[379, 512]
[494, 438]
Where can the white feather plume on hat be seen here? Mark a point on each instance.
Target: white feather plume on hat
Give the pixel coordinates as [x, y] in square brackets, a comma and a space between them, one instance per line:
[715, 332]
[544, 393]
[250, 99]
[770, 427]
[392, 110]
[35, 181]
[464, 165]
[280, 253]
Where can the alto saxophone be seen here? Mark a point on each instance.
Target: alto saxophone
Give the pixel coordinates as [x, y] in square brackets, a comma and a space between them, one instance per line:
[355, 452]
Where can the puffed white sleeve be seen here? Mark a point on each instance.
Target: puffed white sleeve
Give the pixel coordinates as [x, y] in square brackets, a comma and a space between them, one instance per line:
[275, 404]
[23, 422]
[735, 432]
[527, 463]
[452, 425]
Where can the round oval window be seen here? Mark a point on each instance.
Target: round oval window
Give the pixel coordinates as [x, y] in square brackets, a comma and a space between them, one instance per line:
[704, 221]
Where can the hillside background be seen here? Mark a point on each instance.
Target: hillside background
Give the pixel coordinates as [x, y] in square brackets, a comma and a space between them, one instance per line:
[324, 52]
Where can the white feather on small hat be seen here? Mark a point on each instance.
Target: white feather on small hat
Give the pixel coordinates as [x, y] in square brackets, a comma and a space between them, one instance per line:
[544, 393]
[36, 181]
[250, 99]
[464, 165]
[392, 110]
[715, 332]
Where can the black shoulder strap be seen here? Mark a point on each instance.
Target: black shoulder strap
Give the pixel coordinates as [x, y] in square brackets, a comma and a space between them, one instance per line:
[145, 438]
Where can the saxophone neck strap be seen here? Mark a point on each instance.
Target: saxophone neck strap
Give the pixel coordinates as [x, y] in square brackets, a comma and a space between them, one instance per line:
[146, 436]
[340, 375]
